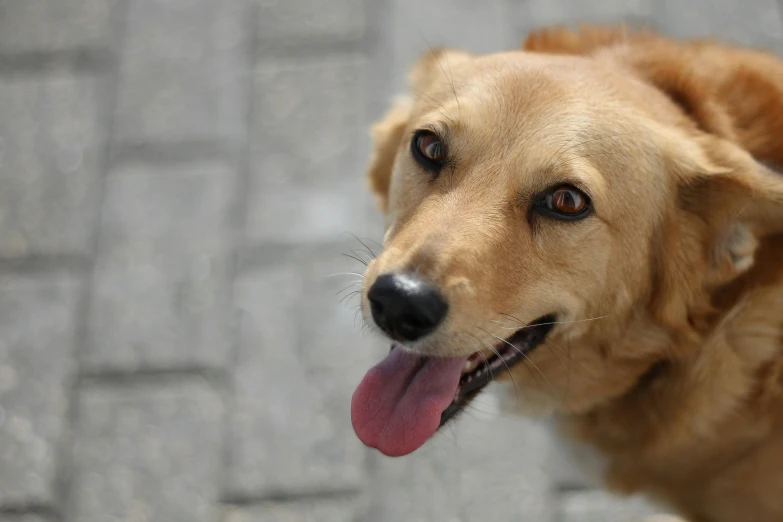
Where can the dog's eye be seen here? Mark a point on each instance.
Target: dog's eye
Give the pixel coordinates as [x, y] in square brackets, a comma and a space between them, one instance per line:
[428, 150]
[565, 202]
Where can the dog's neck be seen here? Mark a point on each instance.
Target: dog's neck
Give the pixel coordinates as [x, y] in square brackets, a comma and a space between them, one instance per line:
[682, 412]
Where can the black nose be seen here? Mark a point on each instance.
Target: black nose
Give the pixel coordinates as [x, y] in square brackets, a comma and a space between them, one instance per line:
[405, 307]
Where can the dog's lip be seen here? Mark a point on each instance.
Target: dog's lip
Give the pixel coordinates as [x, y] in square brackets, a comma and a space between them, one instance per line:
[480, 371]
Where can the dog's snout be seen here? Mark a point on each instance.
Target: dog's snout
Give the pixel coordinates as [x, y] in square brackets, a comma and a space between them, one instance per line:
[405, 307]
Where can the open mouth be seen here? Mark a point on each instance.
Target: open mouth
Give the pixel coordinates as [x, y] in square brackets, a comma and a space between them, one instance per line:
[480, 371]
[406, 398]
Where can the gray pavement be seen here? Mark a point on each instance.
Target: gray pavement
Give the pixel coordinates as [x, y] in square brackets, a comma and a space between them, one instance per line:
[176, 181]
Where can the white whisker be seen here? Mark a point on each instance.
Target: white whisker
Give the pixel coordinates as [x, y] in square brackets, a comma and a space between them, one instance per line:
[346, 274]
[492, 349]
[520, 352]
[550, 323]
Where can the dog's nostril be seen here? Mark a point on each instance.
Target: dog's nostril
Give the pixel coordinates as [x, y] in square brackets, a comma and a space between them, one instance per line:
[405, 307]
[376, 306]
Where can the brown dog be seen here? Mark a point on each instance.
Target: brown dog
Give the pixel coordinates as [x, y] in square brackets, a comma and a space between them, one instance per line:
[596, 213]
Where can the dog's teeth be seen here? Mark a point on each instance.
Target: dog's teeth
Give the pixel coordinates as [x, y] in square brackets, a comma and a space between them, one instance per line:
[471, 364]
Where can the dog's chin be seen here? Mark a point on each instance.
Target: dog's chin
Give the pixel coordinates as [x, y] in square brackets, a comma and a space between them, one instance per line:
[481, 369]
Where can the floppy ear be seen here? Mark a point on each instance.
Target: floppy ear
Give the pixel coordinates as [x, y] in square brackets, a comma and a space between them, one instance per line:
[726, 204]
[386, 137]
[387, 134]
[730, 134]
[739, 199]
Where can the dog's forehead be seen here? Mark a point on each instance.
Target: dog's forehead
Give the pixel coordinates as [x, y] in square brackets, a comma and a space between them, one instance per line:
[513, 94]
[534, 119]
[523, 77]
[494, 83]
[511, 110]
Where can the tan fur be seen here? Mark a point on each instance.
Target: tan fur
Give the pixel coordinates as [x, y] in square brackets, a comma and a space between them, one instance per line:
[668, 356]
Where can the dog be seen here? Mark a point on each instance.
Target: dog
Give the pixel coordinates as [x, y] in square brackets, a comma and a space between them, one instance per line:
[598, 218]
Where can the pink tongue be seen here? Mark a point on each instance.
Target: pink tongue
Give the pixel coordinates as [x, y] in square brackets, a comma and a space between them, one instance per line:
[398, 404]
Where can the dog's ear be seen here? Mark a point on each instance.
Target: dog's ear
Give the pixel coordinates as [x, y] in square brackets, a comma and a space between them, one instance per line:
[670, 70]
[718, 175]
[726, 203]
[387, 133]
[732, 94]
[725, 184]
[386, 138]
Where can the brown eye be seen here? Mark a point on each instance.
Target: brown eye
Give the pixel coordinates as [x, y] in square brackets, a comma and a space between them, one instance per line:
[428, 150]
[431, 147]
[566, 202]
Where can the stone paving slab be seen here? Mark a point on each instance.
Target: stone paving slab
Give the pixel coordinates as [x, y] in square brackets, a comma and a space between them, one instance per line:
[530, 14]
[503, 472]
[147, 451]
[160, 297]
[479, 27]
[337, 348]
[37, 26]
[302, 440]
[38, 318]
[308, 152]
[292, 22]
[470, 471]
[50, 145]
[417, 488]
[23, 518]
[597, 506]
[273, 440]
[182, 72]
[322, 510]
[756, 23]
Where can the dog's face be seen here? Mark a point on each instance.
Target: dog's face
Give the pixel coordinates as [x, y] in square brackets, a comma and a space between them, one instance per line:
[529, 201]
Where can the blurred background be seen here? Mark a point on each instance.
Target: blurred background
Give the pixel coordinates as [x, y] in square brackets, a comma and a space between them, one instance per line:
[177, 178]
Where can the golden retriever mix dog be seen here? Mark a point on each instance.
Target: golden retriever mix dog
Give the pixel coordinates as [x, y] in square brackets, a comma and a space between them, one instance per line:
[597, 213]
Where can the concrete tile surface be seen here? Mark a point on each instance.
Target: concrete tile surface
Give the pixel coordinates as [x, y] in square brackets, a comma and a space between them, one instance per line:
[38, 319]
[41, 26]
[300, 439]
[182, 72]
[297, 22]
[50, 144]
[756, 23]
[23, 517]
[597, 506]
[147, 451]
[160, 292]
[326, 510]
[307, 135]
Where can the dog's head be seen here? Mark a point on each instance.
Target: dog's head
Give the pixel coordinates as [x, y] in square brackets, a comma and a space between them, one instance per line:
[556, 216]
